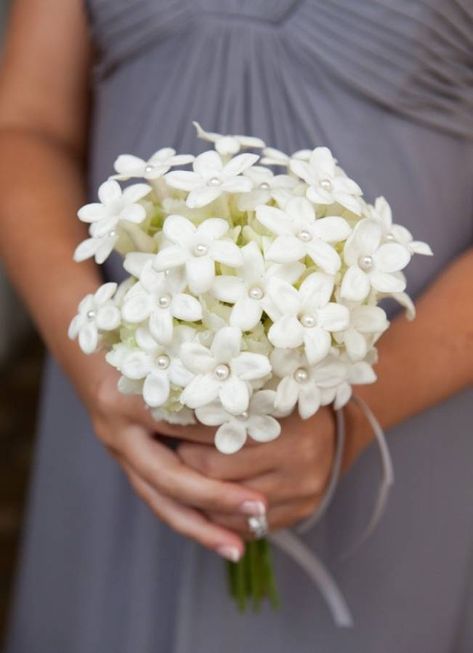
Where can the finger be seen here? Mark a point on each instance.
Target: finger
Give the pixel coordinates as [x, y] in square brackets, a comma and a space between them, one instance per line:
[283, 516]
[164, 471]
[192, 432]
[187, 522]
[246, 463]
[284, 485]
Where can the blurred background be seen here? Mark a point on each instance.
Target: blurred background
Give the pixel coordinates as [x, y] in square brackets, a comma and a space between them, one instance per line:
[20, 369]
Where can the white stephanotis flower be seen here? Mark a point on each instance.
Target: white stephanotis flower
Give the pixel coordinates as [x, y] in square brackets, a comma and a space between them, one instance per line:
[158, 297]
[212, 177]
[184, 416]
[266, 186]
[257, 422]
[197, 248]
[365, 322]
[247, 289]
[222, 371]
[156, 365]
[381, 211]
[327, 182]
[116, 207]
[274, 157]
[97, 312]
[129, 165]
[228, 145]
[301, 383]
[305, 316]
[355, 373]
[372, 263]
[300, 234]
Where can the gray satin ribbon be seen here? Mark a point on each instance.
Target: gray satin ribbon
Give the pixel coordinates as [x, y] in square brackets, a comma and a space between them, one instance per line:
[295, 548]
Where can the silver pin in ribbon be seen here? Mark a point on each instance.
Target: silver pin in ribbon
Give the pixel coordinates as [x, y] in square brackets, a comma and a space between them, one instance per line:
[258, 526]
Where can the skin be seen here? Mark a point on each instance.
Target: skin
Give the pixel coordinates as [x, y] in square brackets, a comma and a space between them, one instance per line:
[202, 494]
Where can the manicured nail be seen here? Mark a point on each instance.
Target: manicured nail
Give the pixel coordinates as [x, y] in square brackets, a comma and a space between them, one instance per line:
[254, 508]
[229, 553]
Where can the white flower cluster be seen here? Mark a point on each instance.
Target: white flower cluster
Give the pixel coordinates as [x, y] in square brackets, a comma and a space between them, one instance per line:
[251, 293]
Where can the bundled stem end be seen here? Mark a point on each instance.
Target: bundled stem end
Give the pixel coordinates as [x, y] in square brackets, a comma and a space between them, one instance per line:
[251, 579]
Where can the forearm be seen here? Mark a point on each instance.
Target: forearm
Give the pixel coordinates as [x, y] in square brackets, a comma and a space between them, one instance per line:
[423, 362]
[41, 188]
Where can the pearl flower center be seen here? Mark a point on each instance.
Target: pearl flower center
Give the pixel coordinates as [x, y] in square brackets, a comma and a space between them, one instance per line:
[90, 315]
[222, 372]
[304, 235]
[164, 301]
[149, 168]
[214, 181]
[307, 320]
[326, 184]
[264, 185]
[200, 249]
[163, 361]
[255, 292]
[301, 375]
[365, 262]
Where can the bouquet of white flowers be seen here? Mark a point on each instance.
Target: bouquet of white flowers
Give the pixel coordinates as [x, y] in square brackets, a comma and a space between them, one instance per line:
[251, 294]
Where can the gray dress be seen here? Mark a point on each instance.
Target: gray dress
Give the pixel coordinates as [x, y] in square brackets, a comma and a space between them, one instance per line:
[387, 84]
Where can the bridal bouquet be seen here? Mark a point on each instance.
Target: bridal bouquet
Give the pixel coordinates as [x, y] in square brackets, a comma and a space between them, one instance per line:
[252, 292]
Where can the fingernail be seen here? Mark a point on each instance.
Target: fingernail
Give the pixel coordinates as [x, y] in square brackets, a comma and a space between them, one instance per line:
[229, 553]
[255, 508]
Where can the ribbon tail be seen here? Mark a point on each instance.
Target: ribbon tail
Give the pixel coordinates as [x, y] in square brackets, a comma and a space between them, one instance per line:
[314, 568]
[387, 475]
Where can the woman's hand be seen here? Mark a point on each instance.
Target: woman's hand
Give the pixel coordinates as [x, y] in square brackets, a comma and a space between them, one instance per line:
[178, 494]
[291, 471]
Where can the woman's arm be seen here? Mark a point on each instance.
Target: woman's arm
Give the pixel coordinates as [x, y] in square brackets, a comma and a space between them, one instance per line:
[43, 138]
[423, 362]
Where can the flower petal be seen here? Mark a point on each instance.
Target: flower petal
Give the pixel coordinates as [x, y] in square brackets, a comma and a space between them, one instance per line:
[367, 236]
[212, 229]
[286, 249]
[179, 230]
[230, 437]
[136, 192]
[197, 358]
[388, 283]
[183, 179]
[246, 313]
[287, 394]
[317, 344]
[391, 257]
[105, 292]
[227, 288]
[186, 307]
[108, 317]
[262, 402]
[369, 319]
[137, 307]
[274, 220]
[355, 344]
[161, 325]
[263, 428]
[133, 213]
[331, 229]
[136, 365]
[92, 212]
[249, 366]
[226, 344]
[88, 338]
[202, 390]
[309, 400]
[135, 261]
[316, 290]
[170, 257]
[156, 389]
[199, 197]
[200, 271]
[285, 297]
[226, 252]
[286, 332]
[234, 395]
[239, 163]
[323, 255]
[212, 414]
[355, 285]
[208, 164]
[109, 192]
[333, 317]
